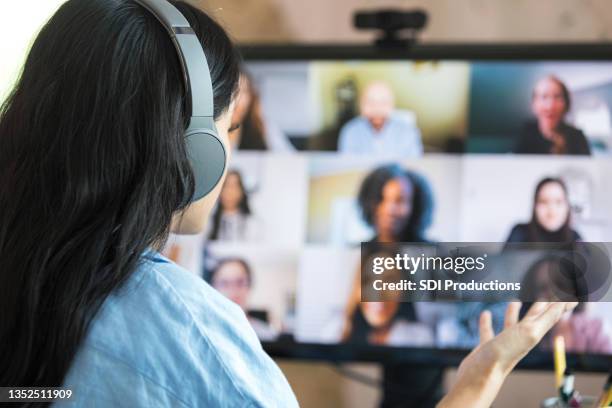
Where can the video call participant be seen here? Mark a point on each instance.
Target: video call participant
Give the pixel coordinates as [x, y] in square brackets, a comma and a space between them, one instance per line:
[380, 129]
[398, 205]
[256, 131]
[87, 301]
[233, 219]
[549, 133]
[233, 278]
[546, 280]
[550, 217]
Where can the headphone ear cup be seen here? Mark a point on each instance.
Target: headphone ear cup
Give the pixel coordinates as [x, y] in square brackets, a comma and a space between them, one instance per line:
[208, 159]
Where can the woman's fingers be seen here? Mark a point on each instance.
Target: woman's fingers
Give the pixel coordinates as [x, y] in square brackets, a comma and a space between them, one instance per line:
[512, 314]
[570, 306]
[538, 326]
[536, 309]
[486, 327]
[540, 318]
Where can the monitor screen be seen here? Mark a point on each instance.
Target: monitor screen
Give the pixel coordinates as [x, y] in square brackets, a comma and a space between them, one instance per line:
[335, 152]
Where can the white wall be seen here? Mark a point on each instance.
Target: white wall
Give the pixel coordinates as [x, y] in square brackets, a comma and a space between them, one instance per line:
[19, 21]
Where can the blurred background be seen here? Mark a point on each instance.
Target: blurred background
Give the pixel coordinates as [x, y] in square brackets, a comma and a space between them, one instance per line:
[281, 21]
[450, 20]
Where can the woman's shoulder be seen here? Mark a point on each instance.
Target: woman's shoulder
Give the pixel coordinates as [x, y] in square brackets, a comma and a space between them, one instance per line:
[577, 140]
[518, 233]
[166, 293]
[168, 326]
[572, 132]
[530, 127]
[179, 288]
[568, 129]
[576, 237]
[523, 227]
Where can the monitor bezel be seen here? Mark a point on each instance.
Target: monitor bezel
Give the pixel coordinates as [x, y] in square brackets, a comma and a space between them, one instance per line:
[432, 51]
[420, 356]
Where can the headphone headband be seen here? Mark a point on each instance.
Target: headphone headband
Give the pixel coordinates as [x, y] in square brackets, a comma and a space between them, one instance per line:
[207, 152]
[196, 75]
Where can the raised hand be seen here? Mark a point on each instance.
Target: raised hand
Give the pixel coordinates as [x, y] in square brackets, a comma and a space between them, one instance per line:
[484, 370]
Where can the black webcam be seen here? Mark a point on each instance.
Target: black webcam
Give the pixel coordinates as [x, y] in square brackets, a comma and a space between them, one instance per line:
[392, 22]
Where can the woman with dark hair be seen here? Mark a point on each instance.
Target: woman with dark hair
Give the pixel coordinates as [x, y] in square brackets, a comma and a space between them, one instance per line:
[232, 219]
[256, 131]
[94, 173]
[397, 204]
[550, 217]
[549, 133]
[233, 278]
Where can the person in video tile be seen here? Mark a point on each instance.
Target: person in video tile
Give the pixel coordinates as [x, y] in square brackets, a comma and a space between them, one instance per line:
[233, 219]
[546, 280]
[233, 278]
[397, 204]
[380, 129]
[257, 131]
[551, 216]
[550, 133]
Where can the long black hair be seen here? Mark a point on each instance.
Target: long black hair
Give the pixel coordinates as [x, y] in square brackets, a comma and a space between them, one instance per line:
[243, 206]
[93, 166]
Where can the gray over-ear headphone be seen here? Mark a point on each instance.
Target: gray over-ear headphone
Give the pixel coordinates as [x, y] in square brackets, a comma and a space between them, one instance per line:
[206, 151]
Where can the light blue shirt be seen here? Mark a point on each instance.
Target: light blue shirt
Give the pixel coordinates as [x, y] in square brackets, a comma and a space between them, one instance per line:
[167, 339]
[399, 136]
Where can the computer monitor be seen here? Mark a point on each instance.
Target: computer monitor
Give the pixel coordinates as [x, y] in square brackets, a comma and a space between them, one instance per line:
[341, 145]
